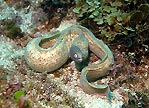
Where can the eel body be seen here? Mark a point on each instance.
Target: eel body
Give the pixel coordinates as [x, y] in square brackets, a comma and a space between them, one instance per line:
[51, 58]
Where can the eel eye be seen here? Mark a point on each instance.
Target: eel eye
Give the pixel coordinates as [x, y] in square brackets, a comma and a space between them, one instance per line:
[75, 56]
[79, 59]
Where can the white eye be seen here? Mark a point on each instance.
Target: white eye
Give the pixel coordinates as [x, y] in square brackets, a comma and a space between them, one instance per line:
[75, 56]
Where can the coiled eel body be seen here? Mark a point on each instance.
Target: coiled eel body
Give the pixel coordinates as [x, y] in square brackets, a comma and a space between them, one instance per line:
[51, 58]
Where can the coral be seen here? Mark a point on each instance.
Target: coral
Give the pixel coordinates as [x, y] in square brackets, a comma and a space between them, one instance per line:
[8, 51]
[56, 10]
[22, 16]
[38, 16]
[137, 100]
[12, 30]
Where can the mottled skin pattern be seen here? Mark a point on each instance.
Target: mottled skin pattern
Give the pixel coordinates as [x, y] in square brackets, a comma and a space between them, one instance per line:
[50, 59]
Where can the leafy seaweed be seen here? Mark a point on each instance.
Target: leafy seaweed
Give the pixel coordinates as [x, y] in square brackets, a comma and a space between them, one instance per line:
[121, 21]
[18, 94]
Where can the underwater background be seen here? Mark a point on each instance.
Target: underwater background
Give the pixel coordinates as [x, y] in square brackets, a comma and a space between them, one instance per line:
[123, 25]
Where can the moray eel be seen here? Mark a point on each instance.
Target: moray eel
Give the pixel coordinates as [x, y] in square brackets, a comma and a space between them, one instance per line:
[79, 51]
[72, 42]
[79, 48]
[80, 59]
